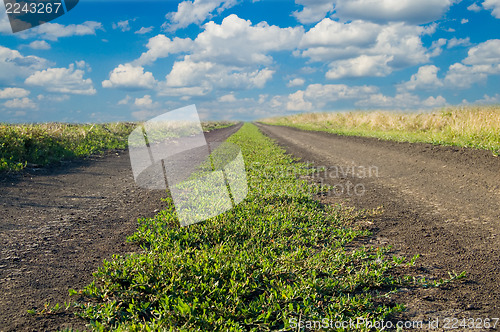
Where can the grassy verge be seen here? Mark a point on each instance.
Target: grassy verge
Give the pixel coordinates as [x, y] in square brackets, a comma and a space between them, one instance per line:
[44, 144]
[277, 258]
[475, 127]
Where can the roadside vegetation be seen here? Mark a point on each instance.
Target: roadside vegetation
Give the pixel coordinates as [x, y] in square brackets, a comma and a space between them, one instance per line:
[36, 145]
[474, 126]
[277, 258]
[212, 125]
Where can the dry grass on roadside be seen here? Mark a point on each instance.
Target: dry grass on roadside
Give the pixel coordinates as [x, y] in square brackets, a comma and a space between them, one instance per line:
[472, 126]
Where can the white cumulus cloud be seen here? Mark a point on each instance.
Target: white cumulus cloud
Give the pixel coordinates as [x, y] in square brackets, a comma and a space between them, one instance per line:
[425, 78]
[20, 103]
[494, 6]
[232, 55]
[488, 99]
[482, 60]
[474, 7]
[39, 45]
[234, 42]
[209, 75]
[62, 80]
[237, 42]
[122, 25]
[432, 102]
[404, 100]
[410, 11]
[362, 66]
[54, 31]
[296, 82]
[454, 42]
[189, 73]
[144, 30]
[297, 102]
[313, 10]
[184, 92]
[381, 11]
[128, 76]
[359, 48]
[14, 64]
[462, 76]
[317, 96]
[9, 93]
[329, 33]
[161, 46]
[230, 98]
[145, 102]
[484, 53]
[195, 12]
[125, 100]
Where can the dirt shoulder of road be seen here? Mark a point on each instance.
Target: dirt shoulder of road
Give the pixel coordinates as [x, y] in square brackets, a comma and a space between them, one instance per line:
[440, 202]
[58, 224]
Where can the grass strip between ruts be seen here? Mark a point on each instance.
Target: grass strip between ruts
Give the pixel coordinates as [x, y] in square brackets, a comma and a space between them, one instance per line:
[277, 258]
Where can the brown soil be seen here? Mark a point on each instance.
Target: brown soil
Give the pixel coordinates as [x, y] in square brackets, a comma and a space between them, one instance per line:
[440, 202]
[58, 224]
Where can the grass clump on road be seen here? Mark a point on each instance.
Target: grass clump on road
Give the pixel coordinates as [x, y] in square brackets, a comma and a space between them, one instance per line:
[474, 126]
[276, 258]
[44, 144]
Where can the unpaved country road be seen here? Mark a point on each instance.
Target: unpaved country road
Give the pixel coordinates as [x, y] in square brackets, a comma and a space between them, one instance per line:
[440, 202]
[56, 227]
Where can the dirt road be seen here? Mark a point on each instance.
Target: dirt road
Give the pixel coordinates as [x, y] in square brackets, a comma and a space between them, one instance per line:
[440, 202]
[56, 227]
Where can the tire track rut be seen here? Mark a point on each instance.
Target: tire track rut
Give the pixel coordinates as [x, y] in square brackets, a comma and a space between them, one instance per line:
[440, 202]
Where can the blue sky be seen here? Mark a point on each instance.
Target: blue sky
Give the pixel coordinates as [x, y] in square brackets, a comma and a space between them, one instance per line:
[131, 60]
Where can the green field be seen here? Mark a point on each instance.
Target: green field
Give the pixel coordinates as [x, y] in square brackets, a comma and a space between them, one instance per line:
[475, 127]
[44, 144]
[279, 257]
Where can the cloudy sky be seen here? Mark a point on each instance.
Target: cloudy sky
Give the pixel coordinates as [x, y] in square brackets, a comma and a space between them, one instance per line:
[241, 59]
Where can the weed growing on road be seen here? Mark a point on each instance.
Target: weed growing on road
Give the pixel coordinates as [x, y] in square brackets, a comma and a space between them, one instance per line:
[278, 257]
[476, 127]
